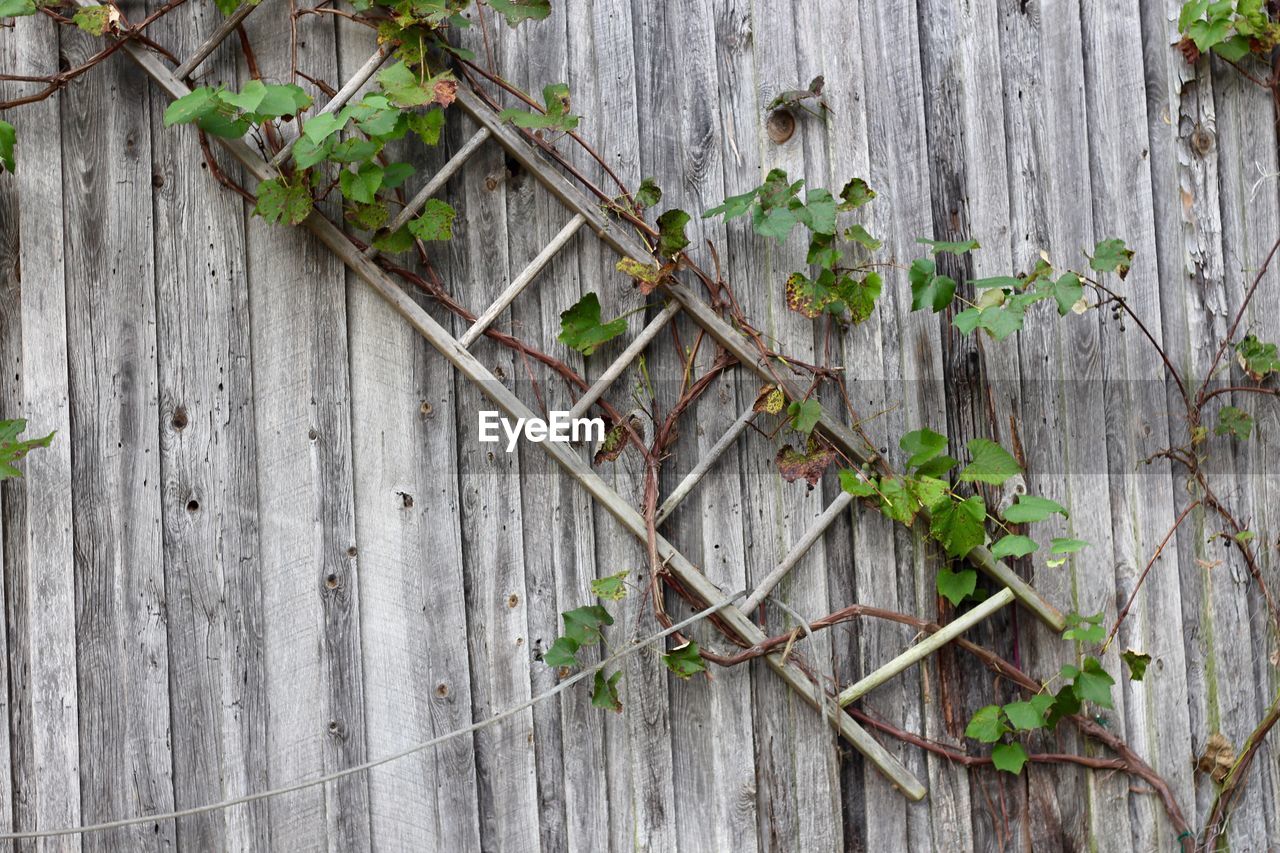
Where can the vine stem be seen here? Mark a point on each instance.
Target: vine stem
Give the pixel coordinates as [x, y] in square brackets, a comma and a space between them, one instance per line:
[1235, 324]
[1141, 578]
[1231, 786]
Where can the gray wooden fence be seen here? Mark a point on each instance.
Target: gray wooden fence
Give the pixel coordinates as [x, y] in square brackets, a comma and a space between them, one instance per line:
[266, 543]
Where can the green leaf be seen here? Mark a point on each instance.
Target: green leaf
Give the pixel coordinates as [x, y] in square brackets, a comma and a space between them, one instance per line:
[804, 415]
[563, 652]
[991, 463]
[190, 107]
[671, 236]
[518, 11]
[427, 125]
[958, 525]
[685, 661]
[1245, 536]
[1014, 546]
[321, 127]
[1093, 684]
[1067, 546]
[581, 329]
[1009, 757]
[435, 222]
[583, 624]
[858, 234]
[248, 98]
[307, 153]
[1112, 256]
[404, 88]
[928, 289]
[956, 247]
[897, 501]
[1067, 291]
[855, 194]
[354, 150]
[1029, 715]
[604, 692]
[368, 217]
[557, 116]
[8, 139]
[776, 222]
[361, 185]
[1234, 49]
[396, 174]
[1258, 359]
[280, 100]
[856, 485]
[937, 466]
[17, 9]
[611, 588]
[1065, 703]
[1137, 663]
[1233, 421]
[1031, 508]
[1085, 629]
[819, 212]
[986, 725]
[956, 586]
[12, 449]
[394, 242]
[282, 202]
[733, 206]
[94, 20]
[923, 445]
[648, 195]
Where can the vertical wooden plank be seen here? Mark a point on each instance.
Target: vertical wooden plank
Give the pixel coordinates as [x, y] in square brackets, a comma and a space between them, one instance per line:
[209, 497]
[910, 343]
[1061, 360]
[1195, 316]
[310, 580]
[413, 630]
[964, 109]
[490, 481]
[40, 590]
[1154, 713]
[122, 649]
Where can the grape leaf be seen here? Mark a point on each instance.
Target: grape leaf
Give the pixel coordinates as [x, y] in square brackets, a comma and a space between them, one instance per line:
[282, 202]
[96, 20]
[1067, 291]
[958, 525]
[1112, 256]
[361, 185]
[685, 661]
[671, 236]
[1009, 757]
[1258, 359]
[860, 235]
[991, 463]
[648, 194]
[770, 400]
[583, 624]
[435, 222]
[518, 11]
[956, 247]
[192, 106]
[956, 586]
[604, 692]
[1233, 421]
[733, 206]
[804, 415]
[581, 329]
[17, 9]
[1066, 546]
[986, 725]
[855, 194]
[8, 139]
[1031, 508]
[1029, 715]
[1093, 684]
[611, 588]
[394, 242]
[1137, 663]
[321, 127]
[1085, 629]
[1014, 546]
[563, 652]
[809, 466]
[855, 485]
[427, 125]
[923, 445]
[928, 289]
[557, 117]
[12, 449]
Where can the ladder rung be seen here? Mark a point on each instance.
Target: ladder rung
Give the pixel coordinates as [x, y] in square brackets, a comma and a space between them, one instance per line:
[338, 101]
[219, 36]
[927, 646]
[813, 534]
[522, 281]
[438, 180]
[647, 334]
[704, 465]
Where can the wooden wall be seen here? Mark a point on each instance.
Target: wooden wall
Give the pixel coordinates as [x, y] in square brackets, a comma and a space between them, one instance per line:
[266, 544]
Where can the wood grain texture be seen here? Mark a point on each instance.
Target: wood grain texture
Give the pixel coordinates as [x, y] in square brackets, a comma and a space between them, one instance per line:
[40, 591]
[207, 467]
[310, 578]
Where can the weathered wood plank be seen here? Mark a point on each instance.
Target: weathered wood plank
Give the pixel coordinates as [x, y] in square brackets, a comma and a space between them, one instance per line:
[1153, 715]
[310, 578]
[417, 682]
[39, 572]
[207, 467]
[1050, 185]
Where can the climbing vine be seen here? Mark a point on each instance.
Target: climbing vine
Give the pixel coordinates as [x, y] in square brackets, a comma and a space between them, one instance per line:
[342, 156]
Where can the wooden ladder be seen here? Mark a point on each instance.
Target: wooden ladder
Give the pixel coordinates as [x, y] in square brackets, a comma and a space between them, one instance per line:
[584, 212]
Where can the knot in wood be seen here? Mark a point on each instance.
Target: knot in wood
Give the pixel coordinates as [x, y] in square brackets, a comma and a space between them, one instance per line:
[780, 125]
[1201, 141]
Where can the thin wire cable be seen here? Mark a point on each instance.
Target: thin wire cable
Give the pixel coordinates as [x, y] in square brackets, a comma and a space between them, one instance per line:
[369, 765]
